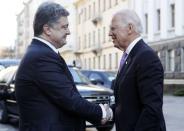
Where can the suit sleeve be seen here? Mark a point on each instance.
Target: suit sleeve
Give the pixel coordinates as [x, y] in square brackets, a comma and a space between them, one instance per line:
[150, 88]
[55, 84]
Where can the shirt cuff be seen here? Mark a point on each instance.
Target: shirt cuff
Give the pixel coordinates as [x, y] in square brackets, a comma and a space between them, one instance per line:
[104, 113]
[111, 115]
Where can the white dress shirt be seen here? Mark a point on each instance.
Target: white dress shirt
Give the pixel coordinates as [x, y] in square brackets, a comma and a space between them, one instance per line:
[134, 42]
[47, 43]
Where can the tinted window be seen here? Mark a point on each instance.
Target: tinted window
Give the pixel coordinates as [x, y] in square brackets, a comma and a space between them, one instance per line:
[78, 77]
[110, 75]
[95, 76]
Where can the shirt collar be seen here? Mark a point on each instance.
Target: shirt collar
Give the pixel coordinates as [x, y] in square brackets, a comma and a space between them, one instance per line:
[130, 47]
[47, 43]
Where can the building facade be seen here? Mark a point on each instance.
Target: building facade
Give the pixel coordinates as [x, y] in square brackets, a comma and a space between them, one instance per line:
[89, 45]
[163, 25]
[164, 31]
[94, 48]
[25, 28]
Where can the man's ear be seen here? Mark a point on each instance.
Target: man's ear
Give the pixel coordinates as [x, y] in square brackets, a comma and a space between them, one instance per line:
[130, 28]
[46, 29]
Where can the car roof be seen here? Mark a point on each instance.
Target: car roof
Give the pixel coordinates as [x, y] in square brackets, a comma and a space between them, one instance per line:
[98, 70]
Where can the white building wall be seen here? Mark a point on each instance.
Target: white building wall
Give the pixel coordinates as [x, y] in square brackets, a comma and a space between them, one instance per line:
[179, 17]
[74, 48]
[27, 18]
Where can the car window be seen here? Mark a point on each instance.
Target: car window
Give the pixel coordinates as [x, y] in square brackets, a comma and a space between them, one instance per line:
[78, 77]
[6, 75]
[95, 76]
[110, 75]
[86, 73]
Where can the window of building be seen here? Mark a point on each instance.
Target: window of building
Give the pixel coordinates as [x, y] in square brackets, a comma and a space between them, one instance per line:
[94, 38]
[172, 6]
[89, 63]
[170, 63]
[94, 63]
[158, 19]
[110, 61]
[182, 59]
[89, 38]
[79, 41]
[116, 60]
[85, 39]
[104, 64]
[146, 23]
[89, 16]
[104, 5]
[99, 40]
[99, 62]
[94, 9]
[99, 6]
[85, 14]
[79, 18]
[110, 3]
[104, 34]
[85, 63]
[116, 2]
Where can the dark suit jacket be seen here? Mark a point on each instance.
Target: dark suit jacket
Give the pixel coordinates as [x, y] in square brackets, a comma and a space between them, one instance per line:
[47, 96]
[138, 91]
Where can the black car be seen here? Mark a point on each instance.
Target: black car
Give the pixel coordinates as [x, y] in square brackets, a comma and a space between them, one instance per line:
[87, 90]
[99, 77]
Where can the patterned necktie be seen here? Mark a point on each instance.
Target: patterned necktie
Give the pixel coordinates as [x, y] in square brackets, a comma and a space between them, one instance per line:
[123, 59]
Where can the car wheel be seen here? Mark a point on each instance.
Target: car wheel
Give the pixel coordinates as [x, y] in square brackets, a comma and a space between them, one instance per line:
[3, 114]
[104, 128]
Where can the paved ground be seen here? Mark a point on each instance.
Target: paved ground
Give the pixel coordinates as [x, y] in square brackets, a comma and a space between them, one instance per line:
[173, 112]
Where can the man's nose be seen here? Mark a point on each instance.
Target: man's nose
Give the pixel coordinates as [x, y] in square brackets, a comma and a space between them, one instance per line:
[110, 33]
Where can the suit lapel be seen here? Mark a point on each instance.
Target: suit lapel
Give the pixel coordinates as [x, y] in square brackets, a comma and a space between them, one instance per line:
[122, 73]
[63, 65]
[66, 70]
[126, 67]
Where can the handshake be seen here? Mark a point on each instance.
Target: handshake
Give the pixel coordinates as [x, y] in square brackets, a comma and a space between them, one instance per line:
[107, 114]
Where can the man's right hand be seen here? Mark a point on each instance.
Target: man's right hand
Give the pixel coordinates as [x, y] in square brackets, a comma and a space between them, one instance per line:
[107, 113]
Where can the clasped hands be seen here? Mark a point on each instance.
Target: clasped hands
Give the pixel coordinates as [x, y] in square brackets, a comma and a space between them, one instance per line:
[107, 113]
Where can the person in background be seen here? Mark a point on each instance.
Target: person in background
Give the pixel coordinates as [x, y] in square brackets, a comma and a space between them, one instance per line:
[138, 87]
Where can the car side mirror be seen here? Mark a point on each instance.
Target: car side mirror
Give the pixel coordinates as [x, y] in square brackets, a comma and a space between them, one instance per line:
[97, 81]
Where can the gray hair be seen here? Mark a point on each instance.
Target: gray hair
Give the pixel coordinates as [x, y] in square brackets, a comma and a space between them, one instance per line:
[131, 17]
[47, 13]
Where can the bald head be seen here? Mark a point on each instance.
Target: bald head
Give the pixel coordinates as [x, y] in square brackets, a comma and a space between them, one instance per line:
[127, 16]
